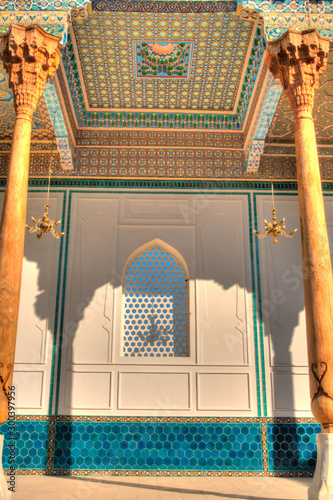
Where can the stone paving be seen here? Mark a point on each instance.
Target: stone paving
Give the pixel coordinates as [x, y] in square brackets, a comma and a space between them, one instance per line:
[160, 488]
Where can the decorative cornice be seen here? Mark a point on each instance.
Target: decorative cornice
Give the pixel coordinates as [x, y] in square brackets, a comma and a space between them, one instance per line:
[164, 6]
[93, 182]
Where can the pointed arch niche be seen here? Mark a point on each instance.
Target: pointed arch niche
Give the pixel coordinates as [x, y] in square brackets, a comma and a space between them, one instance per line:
[155, 303]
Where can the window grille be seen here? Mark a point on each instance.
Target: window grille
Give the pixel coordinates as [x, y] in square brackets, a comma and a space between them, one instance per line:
[156, 306]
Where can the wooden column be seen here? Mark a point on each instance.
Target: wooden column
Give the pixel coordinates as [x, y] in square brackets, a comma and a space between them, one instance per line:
[30, 56]
[297, 59]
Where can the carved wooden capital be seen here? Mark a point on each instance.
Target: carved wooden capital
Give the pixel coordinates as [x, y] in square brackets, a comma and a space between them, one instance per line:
[30, 56]
[297, 59]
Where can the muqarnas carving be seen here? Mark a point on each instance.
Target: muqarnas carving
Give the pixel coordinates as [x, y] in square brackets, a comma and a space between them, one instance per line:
[163, 59]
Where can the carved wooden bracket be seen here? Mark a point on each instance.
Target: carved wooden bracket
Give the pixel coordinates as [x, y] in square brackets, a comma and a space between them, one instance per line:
[30, 56]
[297, 59]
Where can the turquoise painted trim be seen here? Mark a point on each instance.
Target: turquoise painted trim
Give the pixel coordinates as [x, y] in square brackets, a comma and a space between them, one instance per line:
[254, 310]
[64, 193]
[73, 182]
[62, 306]
[253, 185]
[259, 286]
[261, 330]
[56, 312]
[257, 353]
[55, 329]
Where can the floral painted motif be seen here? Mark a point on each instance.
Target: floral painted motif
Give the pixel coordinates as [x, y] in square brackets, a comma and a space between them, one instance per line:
[163, 59]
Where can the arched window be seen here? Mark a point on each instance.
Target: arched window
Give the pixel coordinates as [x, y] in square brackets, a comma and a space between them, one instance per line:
[156, 305]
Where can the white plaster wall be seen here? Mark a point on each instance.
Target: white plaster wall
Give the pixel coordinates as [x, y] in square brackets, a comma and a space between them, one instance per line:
[212, 236]
[211, 233]
[283, 314]
[33, 357]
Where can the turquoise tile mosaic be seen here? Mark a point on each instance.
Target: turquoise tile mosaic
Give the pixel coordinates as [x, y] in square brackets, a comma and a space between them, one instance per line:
[292, 446]
[31, 439]
[158, 445]
[60, 445]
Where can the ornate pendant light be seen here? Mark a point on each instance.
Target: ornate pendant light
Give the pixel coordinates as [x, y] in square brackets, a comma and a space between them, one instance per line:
[45, 224]
[275, 228]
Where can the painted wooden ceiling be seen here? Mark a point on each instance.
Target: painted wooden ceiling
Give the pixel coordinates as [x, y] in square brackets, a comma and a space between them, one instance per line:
[108, 44]
[189, 76]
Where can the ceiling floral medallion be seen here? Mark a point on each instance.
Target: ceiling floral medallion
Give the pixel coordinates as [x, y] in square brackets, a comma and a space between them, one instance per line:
[162, 59]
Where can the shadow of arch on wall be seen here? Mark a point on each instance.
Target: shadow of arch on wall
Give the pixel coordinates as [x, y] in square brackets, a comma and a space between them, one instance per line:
[111, 278]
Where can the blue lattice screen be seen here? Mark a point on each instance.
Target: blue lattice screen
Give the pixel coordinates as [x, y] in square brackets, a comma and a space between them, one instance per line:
[156, 303]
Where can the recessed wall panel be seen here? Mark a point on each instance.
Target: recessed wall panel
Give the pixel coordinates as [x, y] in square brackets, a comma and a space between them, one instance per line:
[28, 389]
[88, 390]
[156, 209]
[90, 297]
[221, 283]
[291, 392]
[223, 391]
[38, 287]
[282, 304]
[36, 321]
[153, 391]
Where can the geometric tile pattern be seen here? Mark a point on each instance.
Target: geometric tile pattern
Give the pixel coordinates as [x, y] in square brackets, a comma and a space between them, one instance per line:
[276, 32]
[158, 162]
[41, 4]
[159, 138]
[280, 16]
[156, 306]
[292, 447]
[287, 6]
[53, 106]
[31, 440]
[253, 160]
[158, 446]
[57, 24]
[52, 103]
[262, 122]
[258, 98]
[268, 110]
[219, 52]
[277, 166]
[242, 446]
[165, 164]
[42, 12]
[64, 149]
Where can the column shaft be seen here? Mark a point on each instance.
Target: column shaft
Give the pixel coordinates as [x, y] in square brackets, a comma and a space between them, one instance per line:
[30, 56]
[12, 247]
[297, 59]
[317, 273]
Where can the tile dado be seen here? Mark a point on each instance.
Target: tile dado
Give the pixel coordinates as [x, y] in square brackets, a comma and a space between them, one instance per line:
[163, 446]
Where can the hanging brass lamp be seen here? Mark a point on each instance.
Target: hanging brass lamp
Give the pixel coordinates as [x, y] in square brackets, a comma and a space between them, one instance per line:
[45, 224]
[275, 228]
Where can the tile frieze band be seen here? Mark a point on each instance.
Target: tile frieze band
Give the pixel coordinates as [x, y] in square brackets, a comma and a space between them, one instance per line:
[163, 6]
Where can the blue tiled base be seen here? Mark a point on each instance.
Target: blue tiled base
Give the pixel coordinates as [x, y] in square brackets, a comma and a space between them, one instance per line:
[292, 447]
[31, 440]
[158, 445]
[120, 445]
